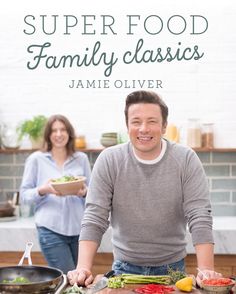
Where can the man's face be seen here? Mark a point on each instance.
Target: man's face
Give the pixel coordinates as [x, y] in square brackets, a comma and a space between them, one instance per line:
[145, 128]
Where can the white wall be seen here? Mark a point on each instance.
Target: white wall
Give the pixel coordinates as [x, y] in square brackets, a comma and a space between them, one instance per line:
[204, 88]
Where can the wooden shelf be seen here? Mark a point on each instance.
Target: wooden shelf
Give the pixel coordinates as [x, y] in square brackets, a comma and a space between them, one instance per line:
[215, 150]
[97, 150]
[10, 151]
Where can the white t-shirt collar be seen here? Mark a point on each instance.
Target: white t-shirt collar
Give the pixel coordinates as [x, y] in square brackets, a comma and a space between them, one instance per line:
[158, 158]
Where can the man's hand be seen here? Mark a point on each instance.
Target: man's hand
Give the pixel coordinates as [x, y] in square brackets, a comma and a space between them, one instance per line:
[82, 277]
[206, 274]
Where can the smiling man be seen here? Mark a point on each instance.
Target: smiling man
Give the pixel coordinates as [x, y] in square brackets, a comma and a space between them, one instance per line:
[148, 190]
[146, 127]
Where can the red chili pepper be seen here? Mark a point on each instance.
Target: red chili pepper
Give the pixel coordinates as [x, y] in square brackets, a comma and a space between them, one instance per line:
[154, 289]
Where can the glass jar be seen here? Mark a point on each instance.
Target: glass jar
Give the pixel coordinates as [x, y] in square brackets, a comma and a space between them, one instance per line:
[207, 135]
[80, 142]
[172, 133]
[194, 135]
[10, 138]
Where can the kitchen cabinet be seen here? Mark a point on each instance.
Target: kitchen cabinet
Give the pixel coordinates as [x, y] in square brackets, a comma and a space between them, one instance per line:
[226, 264]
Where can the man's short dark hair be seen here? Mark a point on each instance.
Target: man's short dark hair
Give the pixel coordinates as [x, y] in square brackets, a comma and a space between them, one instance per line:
[146, 97]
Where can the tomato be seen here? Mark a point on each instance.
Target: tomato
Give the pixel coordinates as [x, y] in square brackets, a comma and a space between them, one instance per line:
[217, 282]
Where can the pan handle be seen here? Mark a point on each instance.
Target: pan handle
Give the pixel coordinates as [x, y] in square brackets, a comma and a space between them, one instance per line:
[26, 254]
[63, 285]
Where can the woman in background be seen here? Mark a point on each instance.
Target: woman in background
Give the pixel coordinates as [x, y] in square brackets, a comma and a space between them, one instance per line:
[58, 218]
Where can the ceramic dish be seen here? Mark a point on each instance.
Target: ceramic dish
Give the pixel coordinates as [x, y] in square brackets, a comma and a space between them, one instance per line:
[218, 286]
[109, 139]
[6, 209]
[69, 188]
[107, 142]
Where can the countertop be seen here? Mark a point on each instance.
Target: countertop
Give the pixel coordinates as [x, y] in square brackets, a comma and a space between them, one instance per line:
[129, 289]
[15, 234]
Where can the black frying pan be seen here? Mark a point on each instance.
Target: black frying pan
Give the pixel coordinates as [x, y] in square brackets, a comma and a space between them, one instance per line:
[42, 279]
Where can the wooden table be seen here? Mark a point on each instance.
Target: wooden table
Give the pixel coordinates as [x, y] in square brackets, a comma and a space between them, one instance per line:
[129, 288]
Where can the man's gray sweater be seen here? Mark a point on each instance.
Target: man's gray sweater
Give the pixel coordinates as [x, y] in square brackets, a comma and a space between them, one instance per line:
[148, 206]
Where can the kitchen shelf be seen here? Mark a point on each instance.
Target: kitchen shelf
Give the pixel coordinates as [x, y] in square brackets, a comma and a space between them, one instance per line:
[225, 150]
[97, 150]
[10, 151]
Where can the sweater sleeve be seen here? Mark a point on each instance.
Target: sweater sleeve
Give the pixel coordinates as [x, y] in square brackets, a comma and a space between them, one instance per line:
[196, 202]
[98, 202]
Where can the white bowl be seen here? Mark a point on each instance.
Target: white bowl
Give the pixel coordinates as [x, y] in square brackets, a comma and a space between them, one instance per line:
[69, 188]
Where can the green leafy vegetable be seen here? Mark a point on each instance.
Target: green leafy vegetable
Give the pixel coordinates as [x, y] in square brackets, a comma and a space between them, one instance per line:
[65, 179]
[33, 127]
[17, 280]
[74, 289]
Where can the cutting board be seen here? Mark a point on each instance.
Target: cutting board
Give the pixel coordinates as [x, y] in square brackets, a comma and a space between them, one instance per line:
[129, 289]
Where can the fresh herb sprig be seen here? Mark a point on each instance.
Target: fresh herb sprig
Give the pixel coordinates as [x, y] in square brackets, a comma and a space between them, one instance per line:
[176, 275]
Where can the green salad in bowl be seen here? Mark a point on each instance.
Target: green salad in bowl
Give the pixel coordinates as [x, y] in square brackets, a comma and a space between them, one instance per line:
[65, 179]
[68, 185]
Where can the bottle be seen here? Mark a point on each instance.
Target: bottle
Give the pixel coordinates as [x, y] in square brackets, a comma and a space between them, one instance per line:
[15, 203]
[80, 142]
[172, 133]
[194, 136]
[207, 135]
